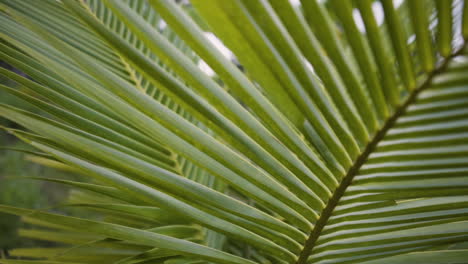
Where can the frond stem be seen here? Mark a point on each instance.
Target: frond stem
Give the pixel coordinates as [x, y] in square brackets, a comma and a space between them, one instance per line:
[348, 178]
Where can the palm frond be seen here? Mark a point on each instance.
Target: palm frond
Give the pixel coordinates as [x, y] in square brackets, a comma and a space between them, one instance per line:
[320, 140]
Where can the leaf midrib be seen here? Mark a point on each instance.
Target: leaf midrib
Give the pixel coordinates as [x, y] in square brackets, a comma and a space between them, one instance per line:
[362, 158]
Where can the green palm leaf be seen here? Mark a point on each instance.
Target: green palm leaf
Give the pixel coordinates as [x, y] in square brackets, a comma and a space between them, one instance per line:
[327, 136]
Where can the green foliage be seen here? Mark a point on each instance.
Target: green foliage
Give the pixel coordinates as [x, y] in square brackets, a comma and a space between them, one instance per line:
[18, 193]
[319, 142]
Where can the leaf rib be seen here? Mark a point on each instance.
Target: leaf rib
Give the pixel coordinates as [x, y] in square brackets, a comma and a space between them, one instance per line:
[362, 158]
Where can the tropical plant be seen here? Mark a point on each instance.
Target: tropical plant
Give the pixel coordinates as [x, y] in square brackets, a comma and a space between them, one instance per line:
[327, 136]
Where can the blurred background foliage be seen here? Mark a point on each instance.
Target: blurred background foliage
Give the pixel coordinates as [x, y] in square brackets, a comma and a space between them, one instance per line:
[21, 192]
